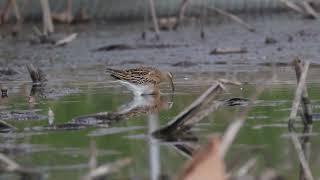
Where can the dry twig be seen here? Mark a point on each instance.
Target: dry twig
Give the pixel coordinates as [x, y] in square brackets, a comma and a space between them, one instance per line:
[292, 6]
[306, 9]
[107, 169]
[228, 50]
[232, 17]
[311, 13]
[66, 39]
[246, 167]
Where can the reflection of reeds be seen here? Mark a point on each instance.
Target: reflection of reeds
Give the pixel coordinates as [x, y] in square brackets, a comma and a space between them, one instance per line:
[301, 98]
[197, 167]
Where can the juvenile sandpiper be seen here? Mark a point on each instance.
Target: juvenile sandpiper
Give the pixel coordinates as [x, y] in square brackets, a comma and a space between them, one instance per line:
[143, 80]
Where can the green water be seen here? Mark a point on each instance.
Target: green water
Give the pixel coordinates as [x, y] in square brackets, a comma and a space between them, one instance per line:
[65, 154]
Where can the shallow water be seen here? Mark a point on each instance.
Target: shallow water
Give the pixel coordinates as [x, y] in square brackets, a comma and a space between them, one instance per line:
[63, 154]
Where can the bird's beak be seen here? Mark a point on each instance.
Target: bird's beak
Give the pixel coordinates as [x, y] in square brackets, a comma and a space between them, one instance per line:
[170, 78]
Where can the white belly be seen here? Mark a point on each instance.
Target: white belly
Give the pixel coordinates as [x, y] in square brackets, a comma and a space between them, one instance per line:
[138, 90]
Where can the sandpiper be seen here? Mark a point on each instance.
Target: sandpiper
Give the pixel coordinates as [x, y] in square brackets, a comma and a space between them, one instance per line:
[143, 80]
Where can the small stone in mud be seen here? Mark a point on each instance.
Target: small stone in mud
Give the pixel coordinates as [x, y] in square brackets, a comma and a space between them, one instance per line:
[270, 40]
[220, 62]
[184, 64]
[301, 33]
[4, 91]
[169, 23]
[290, 38]
[277, 64]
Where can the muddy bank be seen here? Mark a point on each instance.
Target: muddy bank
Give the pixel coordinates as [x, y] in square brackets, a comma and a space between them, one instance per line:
[293, 36]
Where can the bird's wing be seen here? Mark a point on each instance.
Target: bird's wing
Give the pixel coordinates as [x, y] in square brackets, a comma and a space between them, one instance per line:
[143, 75]
[142, 71]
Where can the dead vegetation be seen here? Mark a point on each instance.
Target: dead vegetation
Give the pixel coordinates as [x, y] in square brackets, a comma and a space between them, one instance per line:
[302, 7]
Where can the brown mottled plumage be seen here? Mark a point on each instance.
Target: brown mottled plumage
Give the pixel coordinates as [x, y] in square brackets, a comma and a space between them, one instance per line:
[143, 80]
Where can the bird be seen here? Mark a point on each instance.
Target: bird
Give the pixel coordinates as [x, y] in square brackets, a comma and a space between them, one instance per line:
[142, 80]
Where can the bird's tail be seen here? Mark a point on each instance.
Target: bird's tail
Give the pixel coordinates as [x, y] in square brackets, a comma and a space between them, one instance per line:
[115, 73]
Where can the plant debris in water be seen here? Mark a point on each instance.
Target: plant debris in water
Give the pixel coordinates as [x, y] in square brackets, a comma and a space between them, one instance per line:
[121, 47]
[21, 115]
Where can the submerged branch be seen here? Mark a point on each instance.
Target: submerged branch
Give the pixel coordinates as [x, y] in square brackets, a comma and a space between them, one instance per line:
[195, 112]
[122, 47]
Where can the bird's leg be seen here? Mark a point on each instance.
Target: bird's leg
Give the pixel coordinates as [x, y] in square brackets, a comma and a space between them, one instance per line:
[66, 15]
[4, 13]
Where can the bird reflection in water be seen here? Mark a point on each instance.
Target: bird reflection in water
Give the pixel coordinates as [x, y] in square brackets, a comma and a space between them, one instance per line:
[138, 106]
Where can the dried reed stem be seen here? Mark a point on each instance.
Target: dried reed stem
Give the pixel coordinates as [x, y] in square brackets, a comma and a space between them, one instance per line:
[199, 109]
[154, 18]
[107, 169]
[232, 17]
[293, 115]
[298, 94]
[306, 103]
[47, 20]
